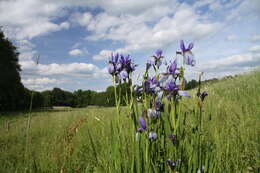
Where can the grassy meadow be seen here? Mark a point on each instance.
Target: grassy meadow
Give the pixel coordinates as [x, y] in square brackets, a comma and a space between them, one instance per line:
[86, 139]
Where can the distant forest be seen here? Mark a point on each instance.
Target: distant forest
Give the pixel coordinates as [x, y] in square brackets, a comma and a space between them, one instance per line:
[14, 96]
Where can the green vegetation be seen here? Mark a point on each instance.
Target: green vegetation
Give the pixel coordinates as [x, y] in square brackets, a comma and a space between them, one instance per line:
[86, 140]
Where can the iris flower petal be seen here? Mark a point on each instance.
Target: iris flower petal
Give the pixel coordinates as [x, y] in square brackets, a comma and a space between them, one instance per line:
[142, 123]
[182, 46]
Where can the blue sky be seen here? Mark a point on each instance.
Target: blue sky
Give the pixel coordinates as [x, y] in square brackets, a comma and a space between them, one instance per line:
[75, 38]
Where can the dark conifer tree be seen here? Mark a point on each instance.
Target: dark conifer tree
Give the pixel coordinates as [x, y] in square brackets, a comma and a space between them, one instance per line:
[11, 88]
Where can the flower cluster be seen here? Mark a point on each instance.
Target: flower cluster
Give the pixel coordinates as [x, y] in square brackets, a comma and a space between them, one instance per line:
[160, 88]
[121, 66]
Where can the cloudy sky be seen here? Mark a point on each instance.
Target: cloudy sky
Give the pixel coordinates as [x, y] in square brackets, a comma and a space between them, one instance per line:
[74, 38]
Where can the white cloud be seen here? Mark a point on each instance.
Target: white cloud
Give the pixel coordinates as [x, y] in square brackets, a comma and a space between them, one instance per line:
[232, 37]
[137, 32]
[26, 19]
[73, 69]
[76, 52]
[103, 55]
[255, 48]
[83, 19]
[230, 65]
[41, 81]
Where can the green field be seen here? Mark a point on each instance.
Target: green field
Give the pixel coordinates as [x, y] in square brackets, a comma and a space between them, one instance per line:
[84, 140]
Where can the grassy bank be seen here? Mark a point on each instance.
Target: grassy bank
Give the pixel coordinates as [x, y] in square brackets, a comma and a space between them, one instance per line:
[83, 140]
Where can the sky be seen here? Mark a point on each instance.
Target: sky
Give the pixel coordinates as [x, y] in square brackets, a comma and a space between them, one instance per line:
[74, 39]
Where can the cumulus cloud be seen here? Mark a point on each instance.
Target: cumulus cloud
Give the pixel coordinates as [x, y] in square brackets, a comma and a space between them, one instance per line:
[231, 65]
[73, 69]
[76, 52]
[255, 48]
[138, 34]
[232, 37]
[26, 19]
[103, 55]
[42, 83]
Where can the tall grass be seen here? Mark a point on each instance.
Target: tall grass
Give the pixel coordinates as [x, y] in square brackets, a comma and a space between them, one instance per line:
[230, 126]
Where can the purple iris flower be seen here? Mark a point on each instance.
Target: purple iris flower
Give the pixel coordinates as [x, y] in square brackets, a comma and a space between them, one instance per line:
[139, 90]
[157, 58]
[143, 124]
[172, 89]
[114, 59]
[118, 67]
[127, 63]
[183, 48]
[147, 86]
[159, 53]
[152, 135]
[171, 86]
[125, 59]
[111, 69]
[123, 74]
[183, 93]
[154, 81]
[152, 85]
[172, 67]
[159, 106]
[173, 138]
[203, 95]
[189, 60]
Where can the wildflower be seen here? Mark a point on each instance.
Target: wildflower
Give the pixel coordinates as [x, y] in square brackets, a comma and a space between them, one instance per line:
[152, 85]
[202, 95]
[171, 87]
[172, 68]
[189, 60]
[114, 67]
[153, 113]
[143, 124]
[173, 138]
[183, 48]
[158, 53]
[152, 136]
[159, 97]
[114, 59]
[173, 164]
[157, 58]
[111, 69]
[118, 67]
[127, 63]
[138, 90]
[187, 54]
[123, 74]
[159, 106]
[201, 170]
